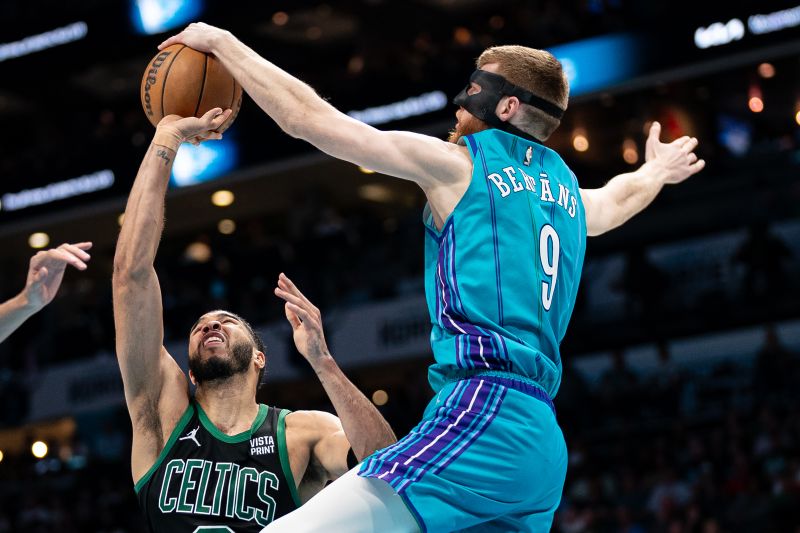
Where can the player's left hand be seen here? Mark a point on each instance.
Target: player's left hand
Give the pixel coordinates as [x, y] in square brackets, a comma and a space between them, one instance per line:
[198, 35]
[305, 319]
[676, 158]
[46, 271]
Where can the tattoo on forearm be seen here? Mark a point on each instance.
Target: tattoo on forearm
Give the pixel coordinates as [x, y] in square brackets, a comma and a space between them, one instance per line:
[164, 155]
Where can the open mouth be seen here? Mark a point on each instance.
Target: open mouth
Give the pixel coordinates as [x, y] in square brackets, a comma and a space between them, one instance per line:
[213, 339]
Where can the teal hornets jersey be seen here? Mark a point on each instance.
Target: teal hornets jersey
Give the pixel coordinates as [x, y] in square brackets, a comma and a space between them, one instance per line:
[502, 274]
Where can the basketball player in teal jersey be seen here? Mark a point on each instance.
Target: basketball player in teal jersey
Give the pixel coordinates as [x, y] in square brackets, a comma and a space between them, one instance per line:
[220, 461]
[505, 228]
[45, 272]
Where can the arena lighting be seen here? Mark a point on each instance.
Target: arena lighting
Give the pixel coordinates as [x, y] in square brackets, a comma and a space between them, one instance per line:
[280, 18]
[204, 162]
[38, 240]
[222, 198]
[797, 117]
[380, 397]
[734, 134]
[629, 152]
[462, 36]
[410, 107]
[579, 140]
[60, 190]
[1, 456]
[766, 70]
[198, 252]
[497, 22]
[50, 39]
[776, 21]
[120, 219]
[718, 34]
[596, 63]
[755, 101]
[376, 192]
[157, 16]
[226, 226]
[365, 170]
[39, 449]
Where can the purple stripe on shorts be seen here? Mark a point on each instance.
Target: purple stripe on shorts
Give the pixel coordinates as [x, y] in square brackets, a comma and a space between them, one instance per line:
[444, 441]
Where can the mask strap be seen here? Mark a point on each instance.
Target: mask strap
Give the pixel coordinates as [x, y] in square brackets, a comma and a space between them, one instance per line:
[509, 89]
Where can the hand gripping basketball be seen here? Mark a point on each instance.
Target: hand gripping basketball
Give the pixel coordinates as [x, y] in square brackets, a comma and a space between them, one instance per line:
[172, 130]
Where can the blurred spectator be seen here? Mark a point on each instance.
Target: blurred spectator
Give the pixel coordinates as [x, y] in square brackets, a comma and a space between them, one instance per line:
[764, 256]
[645, 285]
[619, 386]
[665, 383]
[776, 367]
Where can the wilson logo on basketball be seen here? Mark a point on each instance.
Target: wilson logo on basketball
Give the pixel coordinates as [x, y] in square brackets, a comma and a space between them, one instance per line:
[186, 82]
[150, 79]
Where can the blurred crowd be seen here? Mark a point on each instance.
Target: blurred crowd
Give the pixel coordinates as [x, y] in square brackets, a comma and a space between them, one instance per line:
[341, 258]
[684, 450]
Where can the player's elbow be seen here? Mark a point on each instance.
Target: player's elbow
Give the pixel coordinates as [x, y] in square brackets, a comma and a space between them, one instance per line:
[293, 128]
[127, 273]
[302, 124]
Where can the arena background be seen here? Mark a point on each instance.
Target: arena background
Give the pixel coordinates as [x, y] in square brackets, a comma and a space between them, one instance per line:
[679, 400]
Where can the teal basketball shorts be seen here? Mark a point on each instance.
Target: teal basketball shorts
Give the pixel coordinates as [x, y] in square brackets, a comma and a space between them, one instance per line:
[488, 454]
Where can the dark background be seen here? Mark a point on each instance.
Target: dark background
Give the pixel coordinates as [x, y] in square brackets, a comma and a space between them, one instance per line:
[671, 445]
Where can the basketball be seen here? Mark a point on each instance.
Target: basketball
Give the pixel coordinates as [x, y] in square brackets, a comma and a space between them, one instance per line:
[182, 81]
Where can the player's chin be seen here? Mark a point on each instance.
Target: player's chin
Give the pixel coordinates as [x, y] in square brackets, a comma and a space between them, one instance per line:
[220, 350]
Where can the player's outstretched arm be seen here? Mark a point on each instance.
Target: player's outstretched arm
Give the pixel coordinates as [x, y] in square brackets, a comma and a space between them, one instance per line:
[45, 272]
[362, 427]
[627, 194]
[301, 113]
[155, 387]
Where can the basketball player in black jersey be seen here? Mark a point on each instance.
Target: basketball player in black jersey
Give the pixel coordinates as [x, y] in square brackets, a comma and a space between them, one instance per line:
[220, 462]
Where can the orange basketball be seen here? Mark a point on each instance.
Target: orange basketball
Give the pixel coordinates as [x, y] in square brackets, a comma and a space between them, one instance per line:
[182, 81]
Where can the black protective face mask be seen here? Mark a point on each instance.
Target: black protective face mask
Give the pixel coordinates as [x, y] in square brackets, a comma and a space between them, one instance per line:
[493, 88]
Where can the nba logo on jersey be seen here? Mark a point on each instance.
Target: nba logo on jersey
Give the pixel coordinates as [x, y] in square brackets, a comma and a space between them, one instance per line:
[262, 445]
[528, 156]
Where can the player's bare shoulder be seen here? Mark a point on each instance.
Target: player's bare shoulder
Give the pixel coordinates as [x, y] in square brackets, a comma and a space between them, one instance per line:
[311, 426]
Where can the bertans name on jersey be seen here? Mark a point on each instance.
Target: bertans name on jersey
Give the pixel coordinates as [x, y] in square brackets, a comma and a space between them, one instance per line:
[262, 445]
[524, 182]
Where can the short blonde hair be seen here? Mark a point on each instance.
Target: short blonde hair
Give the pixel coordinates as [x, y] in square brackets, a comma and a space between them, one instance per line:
[537, 71]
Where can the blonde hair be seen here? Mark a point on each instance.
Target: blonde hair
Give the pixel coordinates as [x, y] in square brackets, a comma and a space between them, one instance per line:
[537, 71]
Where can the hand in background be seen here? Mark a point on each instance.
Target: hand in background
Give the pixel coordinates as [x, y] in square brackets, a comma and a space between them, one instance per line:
[676, 158]
[46, 271]
[305, 319]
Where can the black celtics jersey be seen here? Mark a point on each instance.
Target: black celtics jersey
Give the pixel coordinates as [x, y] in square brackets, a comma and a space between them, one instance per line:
[206, 481]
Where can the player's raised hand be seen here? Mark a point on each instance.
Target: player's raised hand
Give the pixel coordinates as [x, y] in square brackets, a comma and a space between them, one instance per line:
[46, 271]
[198, 35]
[194, 129]
[305, 319]
[677, 158]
